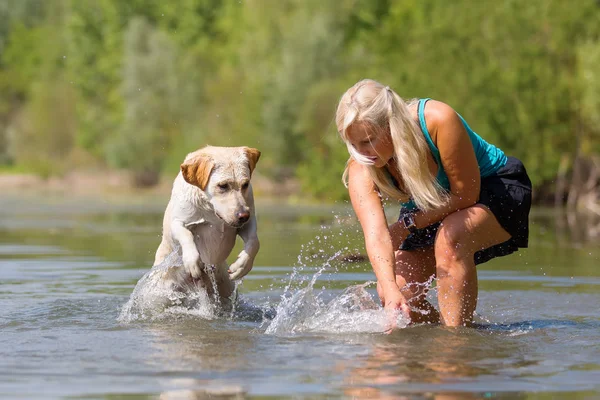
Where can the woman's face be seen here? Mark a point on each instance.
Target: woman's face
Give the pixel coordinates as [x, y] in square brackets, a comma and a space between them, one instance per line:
[372, 142]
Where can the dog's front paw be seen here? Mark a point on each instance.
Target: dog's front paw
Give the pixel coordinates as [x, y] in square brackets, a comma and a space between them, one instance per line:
[241, 266]
[192, 264]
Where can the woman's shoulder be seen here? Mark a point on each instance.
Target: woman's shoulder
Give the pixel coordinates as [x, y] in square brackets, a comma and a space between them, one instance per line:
[437, 113]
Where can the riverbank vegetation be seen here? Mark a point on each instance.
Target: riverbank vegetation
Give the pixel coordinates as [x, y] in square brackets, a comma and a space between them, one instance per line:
[135, 85]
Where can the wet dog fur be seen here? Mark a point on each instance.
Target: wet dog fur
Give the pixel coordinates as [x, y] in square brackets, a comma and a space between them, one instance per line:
[211, 204]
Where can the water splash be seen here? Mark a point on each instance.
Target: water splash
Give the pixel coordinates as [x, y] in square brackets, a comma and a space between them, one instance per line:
[210, 272]
[305, 310]
[154, 298]
[353, 311]
[301, 308]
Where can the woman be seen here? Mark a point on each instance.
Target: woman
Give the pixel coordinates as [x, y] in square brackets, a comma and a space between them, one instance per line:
[463, 200]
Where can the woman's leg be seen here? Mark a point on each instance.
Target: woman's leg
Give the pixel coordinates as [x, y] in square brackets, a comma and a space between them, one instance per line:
[461, 235]
[414, 272]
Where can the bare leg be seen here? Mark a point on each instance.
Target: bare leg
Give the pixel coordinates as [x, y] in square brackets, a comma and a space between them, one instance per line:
[414, 272]
[459, 237]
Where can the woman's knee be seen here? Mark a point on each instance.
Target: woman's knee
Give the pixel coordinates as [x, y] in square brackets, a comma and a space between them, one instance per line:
[452, 245]
[467, 231]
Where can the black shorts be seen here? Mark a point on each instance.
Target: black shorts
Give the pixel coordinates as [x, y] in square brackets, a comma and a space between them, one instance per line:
[508, 196]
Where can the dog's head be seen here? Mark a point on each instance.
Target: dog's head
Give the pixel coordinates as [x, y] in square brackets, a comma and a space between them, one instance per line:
[223, 174]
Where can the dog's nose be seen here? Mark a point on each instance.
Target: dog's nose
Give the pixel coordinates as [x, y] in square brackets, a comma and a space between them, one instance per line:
[242, 216]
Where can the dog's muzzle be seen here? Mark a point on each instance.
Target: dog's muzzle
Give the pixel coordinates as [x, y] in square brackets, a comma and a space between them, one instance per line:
[241, 217]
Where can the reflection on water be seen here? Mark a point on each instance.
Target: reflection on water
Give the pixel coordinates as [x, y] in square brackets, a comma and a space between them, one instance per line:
[393, 364]
[580, 228]
[306, 324]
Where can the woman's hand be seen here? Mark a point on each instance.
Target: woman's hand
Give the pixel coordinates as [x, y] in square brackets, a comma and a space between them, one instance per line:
[393, 302]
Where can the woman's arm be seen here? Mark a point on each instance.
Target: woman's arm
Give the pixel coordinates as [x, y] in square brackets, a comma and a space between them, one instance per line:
[459, 162]
[369, 210]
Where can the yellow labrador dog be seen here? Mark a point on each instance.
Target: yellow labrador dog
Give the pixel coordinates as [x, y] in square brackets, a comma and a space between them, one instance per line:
[211, 203]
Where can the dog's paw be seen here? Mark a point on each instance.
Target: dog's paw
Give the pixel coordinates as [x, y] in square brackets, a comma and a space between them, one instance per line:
[241, 266]
[192, 264]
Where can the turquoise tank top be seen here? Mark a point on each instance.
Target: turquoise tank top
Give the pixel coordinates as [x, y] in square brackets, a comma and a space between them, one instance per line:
[489, 157]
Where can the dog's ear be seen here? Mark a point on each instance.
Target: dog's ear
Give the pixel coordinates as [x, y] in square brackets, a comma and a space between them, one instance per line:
[196, 171]
[253, 156]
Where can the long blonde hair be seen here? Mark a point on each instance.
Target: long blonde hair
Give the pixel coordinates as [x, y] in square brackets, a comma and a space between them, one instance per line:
[370, 102]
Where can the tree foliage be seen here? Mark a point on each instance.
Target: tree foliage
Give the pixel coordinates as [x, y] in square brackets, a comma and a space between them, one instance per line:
[150, 81]
[149, 88]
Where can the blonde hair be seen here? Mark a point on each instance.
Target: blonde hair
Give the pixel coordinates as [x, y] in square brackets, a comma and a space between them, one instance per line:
[370, 102]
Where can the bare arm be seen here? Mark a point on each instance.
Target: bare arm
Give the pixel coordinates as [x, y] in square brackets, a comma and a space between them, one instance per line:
[459, 162]
[369, 210]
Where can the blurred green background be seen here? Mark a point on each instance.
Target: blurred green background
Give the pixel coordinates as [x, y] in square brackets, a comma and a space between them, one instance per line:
[136, 84]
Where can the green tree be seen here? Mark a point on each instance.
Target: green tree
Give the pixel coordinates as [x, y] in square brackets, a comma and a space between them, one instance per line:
[149, 93]
[509, 68]
[43, 131]
[584, 187]
[96, 63]
[19, 61]
[226, 72]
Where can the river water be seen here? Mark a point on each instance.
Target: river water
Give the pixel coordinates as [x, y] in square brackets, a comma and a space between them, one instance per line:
[306, 324]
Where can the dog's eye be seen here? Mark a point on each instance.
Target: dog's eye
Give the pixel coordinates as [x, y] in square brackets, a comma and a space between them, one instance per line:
[223, 186]
[245, 185]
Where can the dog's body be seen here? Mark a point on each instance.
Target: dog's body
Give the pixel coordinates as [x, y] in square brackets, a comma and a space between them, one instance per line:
[211, 203]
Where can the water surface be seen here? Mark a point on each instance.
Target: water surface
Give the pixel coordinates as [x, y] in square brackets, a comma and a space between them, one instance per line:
[305, 325]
